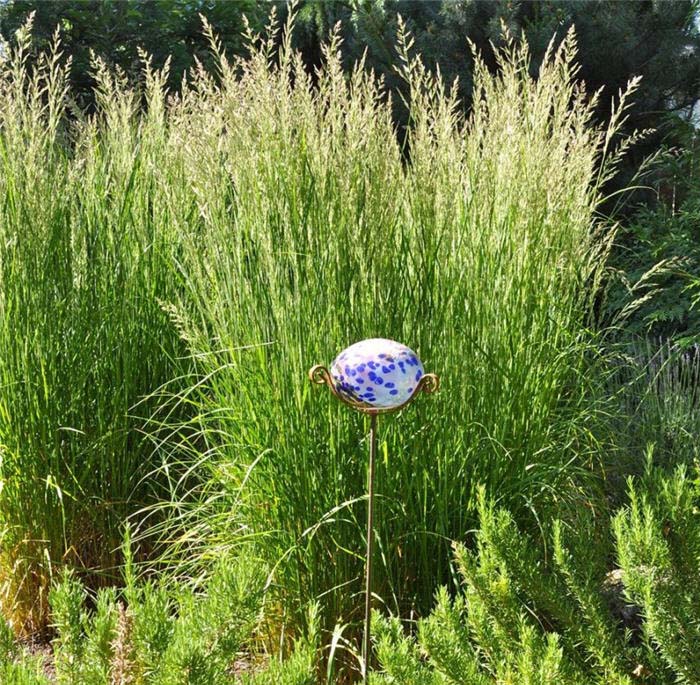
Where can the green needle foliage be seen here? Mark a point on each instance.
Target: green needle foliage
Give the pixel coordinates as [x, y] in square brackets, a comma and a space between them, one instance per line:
[148, 633]
[658, 540]
[560, 613]
[17, 666]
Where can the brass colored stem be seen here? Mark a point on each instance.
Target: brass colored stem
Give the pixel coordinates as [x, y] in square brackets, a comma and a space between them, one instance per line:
[366, 653]
[429, 383]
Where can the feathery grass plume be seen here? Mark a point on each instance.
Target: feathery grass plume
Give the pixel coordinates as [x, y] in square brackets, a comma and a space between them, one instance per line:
[477, 242]
[85, 253]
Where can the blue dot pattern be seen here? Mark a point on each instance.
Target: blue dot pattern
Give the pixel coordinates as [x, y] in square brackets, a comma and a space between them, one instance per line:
[379, 372]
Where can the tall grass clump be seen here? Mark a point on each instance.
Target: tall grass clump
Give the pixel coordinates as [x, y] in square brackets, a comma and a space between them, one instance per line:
[215, 244]
[84, 237]
[475, 240]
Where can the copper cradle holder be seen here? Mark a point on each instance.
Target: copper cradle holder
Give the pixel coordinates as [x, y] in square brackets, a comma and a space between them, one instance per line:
[429, 383]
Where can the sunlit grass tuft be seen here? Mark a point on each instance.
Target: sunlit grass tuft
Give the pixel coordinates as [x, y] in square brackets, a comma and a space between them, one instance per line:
[85, 254]
[195, 256]
[476, 241]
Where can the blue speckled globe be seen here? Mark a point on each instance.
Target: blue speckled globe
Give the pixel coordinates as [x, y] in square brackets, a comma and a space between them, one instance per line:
[378, 372]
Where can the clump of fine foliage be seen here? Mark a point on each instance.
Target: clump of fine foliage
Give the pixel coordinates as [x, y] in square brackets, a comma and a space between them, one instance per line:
[658, 386]
[149, 634]
[85, 258]
[187, 258]
[562, 612]
[658, 255]
[318, 224]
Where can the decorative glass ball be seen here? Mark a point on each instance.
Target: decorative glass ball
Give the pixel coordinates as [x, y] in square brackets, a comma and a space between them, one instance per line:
[377, 372]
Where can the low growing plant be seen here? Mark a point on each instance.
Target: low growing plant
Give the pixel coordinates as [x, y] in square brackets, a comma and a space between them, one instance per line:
[558, 610]
[159, 633]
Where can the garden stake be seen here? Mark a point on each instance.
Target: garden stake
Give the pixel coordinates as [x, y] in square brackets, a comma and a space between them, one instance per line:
[374, 376]
[370, 541]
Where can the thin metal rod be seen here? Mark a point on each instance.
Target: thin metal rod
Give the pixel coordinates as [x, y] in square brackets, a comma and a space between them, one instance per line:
[370, 539]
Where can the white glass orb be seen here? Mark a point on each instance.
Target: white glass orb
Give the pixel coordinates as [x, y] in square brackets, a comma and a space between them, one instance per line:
[377, 372]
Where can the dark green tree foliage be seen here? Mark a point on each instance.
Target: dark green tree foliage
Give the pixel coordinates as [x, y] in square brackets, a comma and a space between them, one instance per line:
[656, 39]
[617, 40]
[658, 256]
[116, 29]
